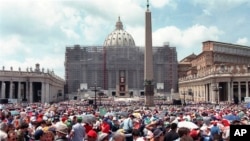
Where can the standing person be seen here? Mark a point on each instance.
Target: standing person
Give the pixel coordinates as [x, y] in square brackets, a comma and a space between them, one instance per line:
[118, 136]
[12, 136]
[87, 127]
[105, 127]
[158, 135]
[172, 134]
[136, 135]
[215, 131]
[78, 131]
[61, 132]
[48, 136]
[22, 132]
[115, 124]
[127, 125]
[226, 130]
[92, 135]
[184, 134]
[3, 129]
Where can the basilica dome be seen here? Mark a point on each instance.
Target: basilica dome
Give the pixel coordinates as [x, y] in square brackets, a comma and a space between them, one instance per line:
[119, 37]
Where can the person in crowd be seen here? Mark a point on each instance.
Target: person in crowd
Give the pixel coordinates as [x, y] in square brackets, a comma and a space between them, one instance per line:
[105, 127]
[115, 124]
[226, 130]
[167, 126]
[184, 134]
[87, 127]
[38, 135]
[195, 134]
[206, 134]
[158, 135]
[118, 136]
[48, 136]
[78, 131]
[127, 124]
[42, 125]
[92, 135]
[12, 136]
[61, 132]
[215, 131]
[22, 132]
[3, 131]
[136, 135]
[172, 134]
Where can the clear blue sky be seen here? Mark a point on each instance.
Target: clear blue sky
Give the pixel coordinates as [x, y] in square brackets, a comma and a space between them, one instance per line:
[37, 31]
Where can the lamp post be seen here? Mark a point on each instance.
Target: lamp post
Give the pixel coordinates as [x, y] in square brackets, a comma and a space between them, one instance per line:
[216, 90]
[184, 100]
[100, 97]
[95, 89]
[100, 100]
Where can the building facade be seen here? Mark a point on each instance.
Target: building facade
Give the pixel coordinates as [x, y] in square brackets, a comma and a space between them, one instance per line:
[220, 73]
[118, 66]
[31, 85]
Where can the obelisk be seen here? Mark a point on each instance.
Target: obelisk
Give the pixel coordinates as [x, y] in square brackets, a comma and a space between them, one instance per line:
[148, 61]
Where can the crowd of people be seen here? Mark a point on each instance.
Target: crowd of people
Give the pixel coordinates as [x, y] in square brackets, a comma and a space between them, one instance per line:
[67, 121]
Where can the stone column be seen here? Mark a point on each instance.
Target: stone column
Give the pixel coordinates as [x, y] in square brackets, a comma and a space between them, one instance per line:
[232, 91]
[194, 96]
[19, 91]
[27, 91]
[207, 90]
[47, 93]
[52, 94]
[205, 93]
[202, 94]
[43, 96]
[229, 92]
[239, 92]
[247, 89]
[3, 90]
[214, 93]
[11, 90]
[31, 93]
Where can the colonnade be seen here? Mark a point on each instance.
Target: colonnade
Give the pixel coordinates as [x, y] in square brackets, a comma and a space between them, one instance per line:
[225, 91]
[25, 91]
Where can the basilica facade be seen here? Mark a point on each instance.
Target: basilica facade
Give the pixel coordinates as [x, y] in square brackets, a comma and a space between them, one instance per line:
[117, 66]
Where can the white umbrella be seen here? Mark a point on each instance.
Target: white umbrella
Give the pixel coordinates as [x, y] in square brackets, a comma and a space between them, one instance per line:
[88, 118]
[187, 124]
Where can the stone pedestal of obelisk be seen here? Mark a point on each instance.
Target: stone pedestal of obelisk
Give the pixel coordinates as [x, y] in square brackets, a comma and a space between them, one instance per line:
[148, 61]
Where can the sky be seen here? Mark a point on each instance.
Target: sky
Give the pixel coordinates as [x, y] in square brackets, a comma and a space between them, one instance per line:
[38, 31]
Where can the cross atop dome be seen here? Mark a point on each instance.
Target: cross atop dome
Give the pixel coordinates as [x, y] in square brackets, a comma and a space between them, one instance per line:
[119, 25]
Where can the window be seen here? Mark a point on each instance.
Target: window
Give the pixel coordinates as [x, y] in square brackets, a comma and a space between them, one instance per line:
[122, 80]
